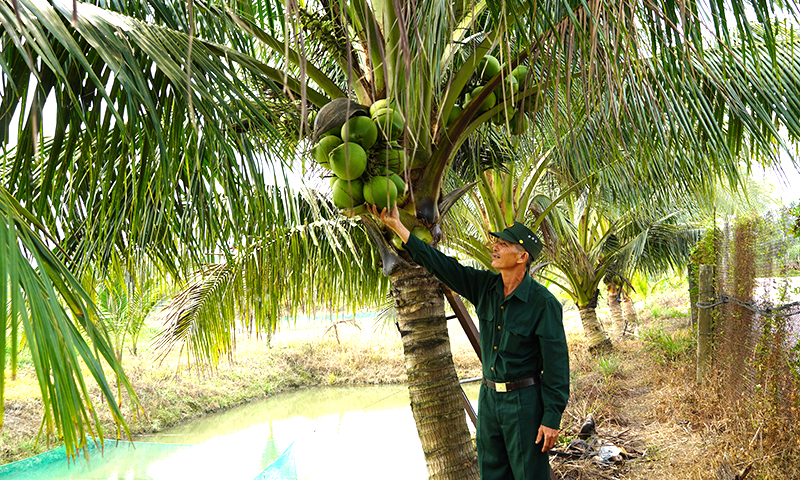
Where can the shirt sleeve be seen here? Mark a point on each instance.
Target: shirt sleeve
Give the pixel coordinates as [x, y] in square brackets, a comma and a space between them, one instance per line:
[555, 357]
[466, 281]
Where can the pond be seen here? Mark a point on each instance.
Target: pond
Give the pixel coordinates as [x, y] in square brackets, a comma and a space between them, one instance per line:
[332, 433]
[336, 432]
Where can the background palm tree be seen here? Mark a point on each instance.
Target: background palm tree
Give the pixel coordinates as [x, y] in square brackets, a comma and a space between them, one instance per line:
[587, 236]
[602, 246]
[167, 112]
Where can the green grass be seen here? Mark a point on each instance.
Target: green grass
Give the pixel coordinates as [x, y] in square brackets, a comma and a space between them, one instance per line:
[668, 348]
[608, 366]
[659, 312]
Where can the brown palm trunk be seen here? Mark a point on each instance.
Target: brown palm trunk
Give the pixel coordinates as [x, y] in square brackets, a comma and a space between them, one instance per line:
[617, 322]
[628, 311]
[595, 336]
[432, 381]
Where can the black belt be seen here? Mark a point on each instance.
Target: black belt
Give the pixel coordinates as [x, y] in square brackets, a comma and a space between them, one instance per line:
[510, 386]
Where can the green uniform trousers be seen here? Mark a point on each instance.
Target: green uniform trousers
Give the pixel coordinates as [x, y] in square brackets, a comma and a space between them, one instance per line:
[508, 423]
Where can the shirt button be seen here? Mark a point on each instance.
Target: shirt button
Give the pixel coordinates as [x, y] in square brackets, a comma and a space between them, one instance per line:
[493, 369]
[502, 307]
[499, 327]
[495, 347]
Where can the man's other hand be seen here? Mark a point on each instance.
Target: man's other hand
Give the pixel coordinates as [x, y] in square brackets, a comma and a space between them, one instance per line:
[549, 435]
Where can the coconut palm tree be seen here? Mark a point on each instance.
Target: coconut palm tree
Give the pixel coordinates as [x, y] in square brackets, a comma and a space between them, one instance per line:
[167, 112]
[592, 246]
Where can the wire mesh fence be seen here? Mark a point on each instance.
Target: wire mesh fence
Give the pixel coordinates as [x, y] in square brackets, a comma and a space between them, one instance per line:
[756, 334]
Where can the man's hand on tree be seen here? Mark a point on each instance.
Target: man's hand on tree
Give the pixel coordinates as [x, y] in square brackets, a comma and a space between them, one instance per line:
[391, 218]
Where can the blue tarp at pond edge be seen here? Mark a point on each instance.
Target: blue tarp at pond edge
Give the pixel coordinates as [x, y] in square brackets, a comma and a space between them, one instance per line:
[153, 461]
[282, 468]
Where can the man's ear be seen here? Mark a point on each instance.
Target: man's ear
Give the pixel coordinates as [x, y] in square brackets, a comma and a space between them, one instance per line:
[524, 258]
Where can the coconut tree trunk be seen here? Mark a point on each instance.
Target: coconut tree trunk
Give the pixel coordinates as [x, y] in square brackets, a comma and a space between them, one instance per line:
[617, 322]
[432, 381]
[628, 310]
[595, 336]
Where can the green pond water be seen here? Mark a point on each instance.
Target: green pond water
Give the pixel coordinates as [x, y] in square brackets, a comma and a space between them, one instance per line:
[332, 433]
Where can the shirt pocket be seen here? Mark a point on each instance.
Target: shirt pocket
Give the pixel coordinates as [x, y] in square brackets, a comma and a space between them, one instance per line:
[517, 334]
[485, 312]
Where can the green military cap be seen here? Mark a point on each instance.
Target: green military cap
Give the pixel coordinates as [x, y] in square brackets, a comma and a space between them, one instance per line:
[519, 233]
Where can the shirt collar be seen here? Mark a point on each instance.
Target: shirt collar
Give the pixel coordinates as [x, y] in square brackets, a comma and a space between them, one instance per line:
[522, 290]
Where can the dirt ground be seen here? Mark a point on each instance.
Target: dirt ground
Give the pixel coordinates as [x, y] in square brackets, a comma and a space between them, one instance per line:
[665, 425]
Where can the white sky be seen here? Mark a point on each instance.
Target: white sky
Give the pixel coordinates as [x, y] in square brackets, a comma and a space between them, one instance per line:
[785, 185]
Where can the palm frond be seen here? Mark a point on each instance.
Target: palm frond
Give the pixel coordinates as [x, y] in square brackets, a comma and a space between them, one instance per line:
[313, 257]
[34, 287]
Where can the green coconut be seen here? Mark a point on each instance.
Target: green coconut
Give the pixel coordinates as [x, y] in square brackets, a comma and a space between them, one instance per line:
[398, 183]
[511, 86]
[347, 193]
[488, 103]
[333, 132]
[360, 130]
[500, 117]
[390, 123]
[454, 113]
[334, 114]
[518, 124]
[488, 67]
[520, 72]
[321, 151]
[379, 104]
[348, 160]
[381, 192]
[393, 159]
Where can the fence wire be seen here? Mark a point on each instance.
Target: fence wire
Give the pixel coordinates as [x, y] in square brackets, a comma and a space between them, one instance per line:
[768, 311]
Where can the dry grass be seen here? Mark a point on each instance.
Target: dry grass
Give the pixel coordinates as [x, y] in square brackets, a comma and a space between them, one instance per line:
[670, 426]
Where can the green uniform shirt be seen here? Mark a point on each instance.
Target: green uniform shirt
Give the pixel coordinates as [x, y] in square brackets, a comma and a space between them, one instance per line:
[522, 335]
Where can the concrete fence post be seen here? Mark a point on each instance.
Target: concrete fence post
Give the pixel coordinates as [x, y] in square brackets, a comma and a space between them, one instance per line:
[705, 284]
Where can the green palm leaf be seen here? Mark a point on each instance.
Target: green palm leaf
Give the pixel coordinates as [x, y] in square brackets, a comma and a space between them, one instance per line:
[303, 262]
[33, 285]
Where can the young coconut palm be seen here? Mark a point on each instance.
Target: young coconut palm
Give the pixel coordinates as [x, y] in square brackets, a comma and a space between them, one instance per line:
[161, 106]
[591, 246]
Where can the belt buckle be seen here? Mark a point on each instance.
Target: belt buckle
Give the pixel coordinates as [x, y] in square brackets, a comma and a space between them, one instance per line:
[500, 387]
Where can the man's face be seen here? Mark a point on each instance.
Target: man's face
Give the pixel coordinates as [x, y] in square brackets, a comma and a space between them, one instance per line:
[506, 254]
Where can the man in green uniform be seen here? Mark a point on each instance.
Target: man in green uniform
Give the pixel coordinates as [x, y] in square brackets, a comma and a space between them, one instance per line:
[525, 359]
